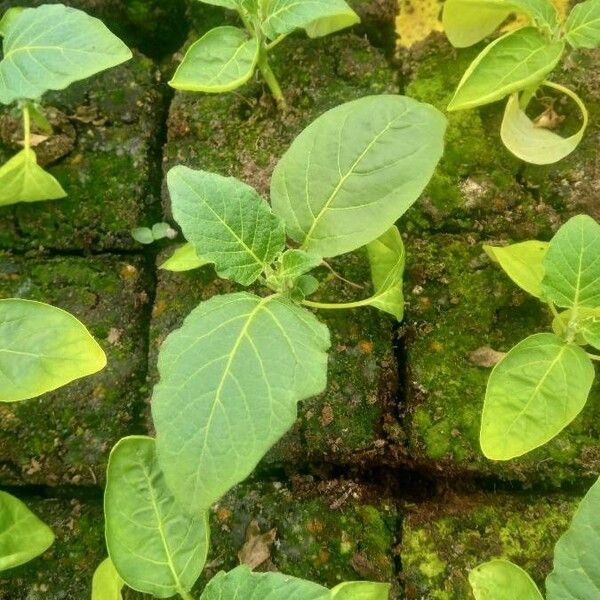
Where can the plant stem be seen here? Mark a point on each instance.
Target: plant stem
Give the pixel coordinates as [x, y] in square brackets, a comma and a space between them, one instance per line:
[185, 595]
[267, 73]
[276, 41]
[593, 356]
[341, 306]
[338, 276]
[553, 309]
[26, 127]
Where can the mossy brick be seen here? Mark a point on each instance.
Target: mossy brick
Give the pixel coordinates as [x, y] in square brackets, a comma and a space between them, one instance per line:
[442, 542]
[64, 571]
[325, 531]
[110, 173]
[458, 302]
[64, 437]
[344, 424]
[477, 186]
[151, 26]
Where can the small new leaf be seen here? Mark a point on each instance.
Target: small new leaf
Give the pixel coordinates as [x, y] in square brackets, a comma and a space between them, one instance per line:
[22, 535]
[222, 60]
[523, 263]
[156, 545]
[361, 590]
[532, 394]
[50, 47]
[23, 180]
[502, 580]
[351, 174]
[185, 258]
[571, 265]
[511, 63]
[226, 221]
[387, 259]
[230, 380]
[41, 349]
[107, 583]
[583, 25]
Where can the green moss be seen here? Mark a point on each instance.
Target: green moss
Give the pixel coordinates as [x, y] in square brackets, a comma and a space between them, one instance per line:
[64, 437]
[441, 544]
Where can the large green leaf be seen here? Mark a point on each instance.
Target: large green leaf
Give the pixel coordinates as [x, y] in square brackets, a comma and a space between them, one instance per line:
[572, 267]
[246, 585]
[523, 263]
[534, 144]
[387, 259]
[532, 394]
[350, 175]
[502, 580]
[50, 47]
[583, 25]
[22, 535]
[230, 380]
[317, 17]
[467, 22]
[184, 258]
[107, 583]
[226, 221]
[220, 61]
[361, 590]
[509, 64]
[23, 180]
[156, 545]
[576, 574]
[42, 348]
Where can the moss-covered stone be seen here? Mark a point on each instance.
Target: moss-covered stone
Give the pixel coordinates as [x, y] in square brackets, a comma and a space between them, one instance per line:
[441, 543]
[64, 437]
[111, 172]
[65, 570]
[458, 303]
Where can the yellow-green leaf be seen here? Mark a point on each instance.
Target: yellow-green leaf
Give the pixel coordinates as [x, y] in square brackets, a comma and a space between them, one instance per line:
[502, 580]
[361, 590]
[583, 25]
[42, 348]
[107, 583]
[184, 258]
[220, 61]
[522, 262]
[23, 180]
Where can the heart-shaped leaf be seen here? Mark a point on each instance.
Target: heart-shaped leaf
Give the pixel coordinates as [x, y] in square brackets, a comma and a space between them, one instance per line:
[583, 25]
[185, 258]
[107, 583]
[502, 580]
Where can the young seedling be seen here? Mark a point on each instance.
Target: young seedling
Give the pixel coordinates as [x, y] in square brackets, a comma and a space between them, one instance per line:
[158, 231]
[576, 573]
[517, 64]
[46, 48]
[232, 375]
[226, 57]
[543, 383]
[41, 348]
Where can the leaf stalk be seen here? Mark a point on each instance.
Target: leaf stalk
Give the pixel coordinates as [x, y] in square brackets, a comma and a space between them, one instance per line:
[269, 76]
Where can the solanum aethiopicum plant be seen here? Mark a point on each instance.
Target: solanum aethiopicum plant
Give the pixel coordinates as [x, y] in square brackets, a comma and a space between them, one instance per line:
[517, 64]
[41, 349]
[576, 573]
[232, 375]
[226, 57]
[46, 48]
[542, 384]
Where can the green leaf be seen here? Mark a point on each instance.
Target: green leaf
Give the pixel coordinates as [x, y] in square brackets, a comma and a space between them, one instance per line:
[220, 61]
[361, 590]
[226, 220]
[522, 262]
[590, 329]
[8, 18]
[50, 47]
[502, 580]
[160, 231]
[351, 174]
[246, 585]
[231, 4]
[532, 394]
[143, 235]
[509, 64]
[107, 583]
[576, 574]
[155, 545]
[290, 266]
[41, 349]
[230, 380]
[22, 535]
[467, 22]
[316, 17]
[184, 258]
[387, 259]
[305, 286]
[535, 144]
[583, 25]
[572, 268]
[23, 180]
